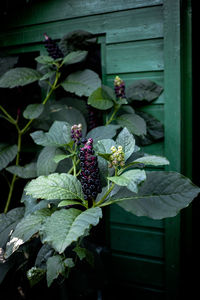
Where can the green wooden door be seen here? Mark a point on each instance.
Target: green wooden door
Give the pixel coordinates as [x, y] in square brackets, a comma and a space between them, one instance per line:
[139, 39]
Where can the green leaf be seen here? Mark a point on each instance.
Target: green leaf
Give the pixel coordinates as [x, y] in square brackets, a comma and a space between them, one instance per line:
[155, 130]
[34, 275]
[152, 160]
[162, 195]
[127, 141]
[60, 157]
[45, 60]
[108, 93]
[45, 162]
[8, 222]
[25, 229]
[84, 253]
[33, 111]
[69, 114]
[103, 146]
[97, 100]
[33, 204]
[82, 83]
[48, 75]
[28, 171]
[58, 135]
[66, 226]
[103, 132]
[7, 154]
[134, 123]
[55, 186]
[55, 266]
[68, 202]
[19, 77]
[75, 57]
[143, 89]
[130, 179]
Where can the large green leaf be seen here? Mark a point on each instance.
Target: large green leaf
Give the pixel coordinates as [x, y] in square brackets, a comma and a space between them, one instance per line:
[45, 60]
[55, 186]
[127, 141]
[134, 123]
[69, 114]
[55, 266]
[45, 162]
[28, 171]
[75, 57]
[58, 135]
[25, 229]
[143, 89]
[7, 154]
[66, 226]
[19, 77]
[155, 130]
[33, 111]
[82, 83]
[152, 160]
[97, 100]
[162, 195]
[103, 132]
[130, 179]
[32, 204]
[8, 222]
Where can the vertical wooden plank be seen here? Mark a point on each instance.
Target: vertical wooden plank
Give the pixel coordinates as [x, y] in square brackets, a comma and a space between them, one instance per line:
[172, 83]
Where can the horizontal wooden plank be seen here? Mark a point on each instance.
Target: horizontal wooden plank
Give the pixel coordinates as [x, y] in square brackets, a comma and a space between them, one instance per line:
[119, 27]
[51, 10]
[119, 215]
[156, 149]
[156, 110]
[129, 78]
[135, 56]
[124, 290]
[136, 240]
[139, 270]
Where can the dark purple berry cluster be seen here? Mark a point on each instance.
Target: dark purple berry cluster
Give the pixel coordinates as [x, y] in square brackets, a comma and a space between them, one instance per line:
[52, 47]
[119, 87]
[76, 133]
[93, 117]
[89, 176]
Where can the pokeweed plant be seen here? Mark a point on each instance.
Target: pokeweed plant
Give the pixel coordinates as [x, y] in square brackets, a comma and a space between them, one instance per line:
[77, 172]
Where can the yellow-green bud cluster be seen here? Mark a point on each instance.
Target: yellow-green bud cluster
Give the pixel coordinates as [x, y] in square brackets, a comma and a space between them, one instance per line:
[117, 157]
[119, 87]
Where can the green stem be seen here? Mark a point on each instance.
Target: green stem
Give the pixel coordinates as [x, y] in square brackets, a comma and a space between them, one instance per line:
[116, 108]
[106, 195]
[14, 176]
[20, 133]
[9, 118]
[53, 87]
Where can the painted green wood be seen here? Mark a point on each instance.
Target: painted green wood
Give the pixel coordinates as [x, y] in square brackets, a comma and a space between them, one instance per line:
[172, 82]
[129, 78]
[50, 11]
[138, 269]
[131, 36]
[136, 240]
[117, 26]
[119, 215]
[135, 56]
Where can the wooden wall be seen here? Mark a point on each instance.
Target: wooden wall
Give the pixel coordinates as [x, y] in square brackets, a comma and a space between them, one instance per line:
[139, 39]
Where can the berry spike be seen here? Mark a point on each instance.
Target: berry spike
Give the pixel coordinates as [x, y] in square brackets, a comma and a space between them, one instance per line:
[89, 176]
[52, 47]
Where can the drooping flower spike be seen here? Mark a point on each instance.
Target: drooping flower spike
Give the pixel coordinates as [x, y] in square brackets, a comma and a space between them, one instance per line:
[52, 47]
[89, 176]
[119, 87]
[76, 133]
